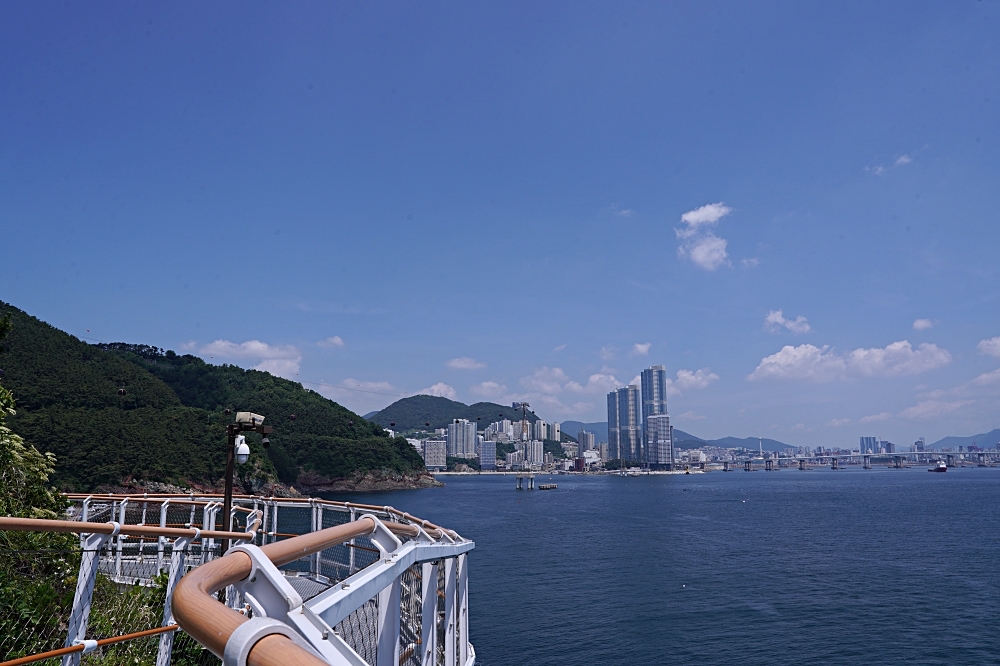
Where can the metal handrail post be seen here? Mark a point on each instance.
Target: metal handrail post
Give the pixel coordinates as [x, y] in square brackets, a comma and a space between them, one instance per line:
[120, 541]
[388, 625]
[317, 523]
[463, 609]
[428, 614]
[350, 571]
[80, 615]
[178, 553]
[449, 611]
[161, 541]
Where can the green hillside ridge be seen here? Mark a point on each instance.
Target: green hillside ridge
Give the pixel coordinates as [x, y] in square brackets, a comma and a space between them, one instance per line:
[169, 424]
[411, 414]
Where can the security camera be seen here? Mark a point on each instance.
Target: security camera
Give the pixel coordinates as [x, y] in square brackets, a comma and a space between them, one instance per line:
[242, 450]
[249, 417]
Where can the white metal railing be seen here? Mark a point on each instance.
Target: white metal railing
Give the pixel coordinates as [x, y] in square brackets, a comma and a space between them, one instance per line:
[396, 596]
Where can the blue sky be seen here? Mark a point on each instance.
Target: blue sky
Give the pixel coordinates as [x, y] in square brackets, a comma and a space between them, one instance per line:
[792, 206]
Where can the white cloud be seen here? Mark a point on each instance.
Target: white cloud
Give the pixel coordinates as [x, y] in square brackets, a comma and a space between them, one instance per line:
[641, 348]
[898, 358]
[882, 416]
[750, 262]
[823, 364]
[879, 170]
[990, 347]
[699, 217]
[802, 362]
[607, 353]
[626, 213]
[465, 363]
[922, 324]
[190, 345]
[691, 416]
[335, 341]
[903, 159]
[559, 348]
[490, 390]
[699, 379]
[775, 321]
[441, 390]
[836, 423]
[707, 251]
[280, 360]
[596, 383]
[546, 380]
[699, 244]
[987, 378]
[926, 409]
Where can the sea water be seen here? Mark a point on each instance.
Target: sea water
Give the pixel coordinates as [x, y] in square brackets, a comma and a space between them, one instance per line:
[850, 566]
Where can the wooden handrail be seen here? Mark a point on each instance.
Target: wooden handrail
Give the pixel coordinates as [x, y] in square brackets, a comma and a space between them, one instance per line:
[51, 654]
[77, 527]
[211, 623]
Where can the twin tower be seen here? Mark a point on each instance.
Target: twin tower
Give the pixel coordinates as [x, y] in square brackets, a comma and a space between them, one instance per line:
[639, 430]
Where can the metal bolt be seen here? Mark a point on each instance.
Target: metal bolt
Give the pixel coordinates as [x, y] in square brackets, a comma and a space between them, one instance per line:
[345, 586]
[254, 579]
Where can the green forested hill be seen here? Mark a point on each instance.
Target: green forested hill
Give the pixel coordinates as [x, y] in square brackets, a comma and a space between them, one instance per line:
[169, 424]
[414, 412]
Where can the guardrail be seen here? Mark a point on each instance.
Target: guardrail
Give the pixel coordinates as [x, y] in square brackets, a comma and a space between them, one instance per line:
[328, 582]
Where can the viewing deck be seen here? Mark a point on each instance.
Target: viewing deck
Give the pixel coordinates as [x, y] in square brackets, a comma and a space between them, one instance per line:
[304, 582]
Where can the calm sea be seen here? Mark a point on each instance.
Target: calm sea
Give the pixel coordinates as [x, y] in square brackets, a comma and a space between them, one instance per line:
[791, 567]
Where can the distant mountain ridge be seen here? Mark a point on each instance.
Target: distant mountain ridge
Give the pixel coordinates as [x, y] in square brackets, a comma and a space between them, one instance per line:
[986, 440]
[415, 412]
[682, 439]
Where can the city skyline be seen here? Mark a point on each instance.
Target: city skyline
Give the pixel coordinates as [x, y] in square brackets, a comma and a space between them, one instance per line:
[794, 204]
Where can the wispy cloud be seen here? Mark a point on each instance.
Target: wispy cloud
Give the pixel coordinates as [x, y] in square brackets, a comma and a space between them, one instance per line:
[750, 262]
[335, 341]
[465, 363]
[641, 348]
[558, 348]
[922, 324]
[775, 321]
[280, 360]
[928, 409]
[880, 170]
[607, 353]
[903, 159]
[836, 423]
[690, 416]
[691, 380]
[625, 213]
[990, 347]
[882, 416]
[441, 390]
[698, 243]
[821, 364]
[490, 390]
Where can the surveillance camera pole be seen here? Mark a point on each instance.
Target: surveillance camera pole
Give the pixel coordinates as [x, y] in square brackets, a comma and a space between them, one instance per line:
[232, 430]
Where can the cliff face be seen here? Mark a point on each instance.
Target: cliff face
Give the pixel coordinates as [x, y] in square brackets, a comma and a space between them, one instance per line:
[311, 483]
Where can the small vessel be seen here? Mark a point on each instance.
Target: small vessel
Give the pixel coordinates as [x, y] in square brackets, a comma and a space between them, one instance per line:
[940, 466]
[548, 486]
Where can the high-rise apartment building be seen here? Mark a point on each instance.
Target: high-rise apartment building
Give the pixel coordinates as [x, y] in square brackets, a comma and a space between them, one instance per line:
[534, 452]
[654, 403]
[487, 455]
[869, 445]
[659, 442]
[555, 433]
[625, 424]
[435, 454]
[541, 430]
[585, 442]
[462, 438]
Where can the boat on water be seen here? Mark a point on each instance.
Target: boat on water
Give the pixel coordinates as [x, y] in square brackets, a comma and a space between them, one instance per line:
[940, 466]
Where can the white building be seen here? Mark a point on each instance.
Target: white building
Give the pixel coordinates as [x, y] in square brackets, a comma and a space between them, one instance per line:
[534, 451]
[659, 442]
[541, 430]
[585, 442]
[435, 454]
[416, 443]
[462, 438]
[555, 433]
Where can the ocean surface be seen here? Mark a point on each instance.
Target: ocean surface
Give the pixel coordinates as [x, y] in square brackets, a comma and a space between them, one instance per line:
[851, 566]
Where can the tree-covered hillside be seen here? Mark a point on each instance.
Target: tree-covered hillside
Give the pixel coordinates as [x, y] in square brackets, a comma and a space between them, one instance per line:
[410, 414]
[168, 424]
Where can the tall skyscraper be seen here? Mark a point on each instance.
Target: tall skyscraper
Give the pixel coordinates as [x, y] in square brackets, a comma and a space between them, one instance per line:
[654, 391]
[488, 455]
[659, 442]
[462, 438]
[555, 433]
[585, 442]
[541, 429]
[613, 448]
[625, 424]
[869, 445]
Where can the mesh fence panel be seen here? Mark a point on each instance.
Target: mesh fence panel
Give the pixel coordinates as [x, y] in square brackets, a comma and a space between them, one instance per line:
[410, 603]
[360, 630]
[36, 595]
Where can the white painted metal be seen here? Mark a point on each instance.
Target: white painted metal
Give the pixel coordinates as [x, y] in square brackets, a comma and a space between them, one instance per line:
[428, 613]
[462, 562]
[178, 553]
[449, 612]
[80, 614]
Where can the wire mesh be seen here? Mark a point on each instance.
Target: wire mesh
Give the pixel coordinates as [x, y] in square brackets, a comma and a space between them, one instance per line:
[36, 596]
[360, 630]
[410, 612]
